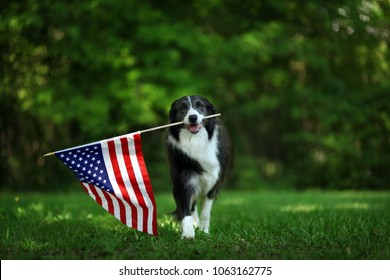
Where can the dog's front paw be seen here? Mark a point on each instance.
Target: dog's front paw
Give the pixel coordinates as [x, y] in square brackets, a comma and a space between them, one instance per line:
[188, 228]
[204, 224]
[204, 227]
[188, 235]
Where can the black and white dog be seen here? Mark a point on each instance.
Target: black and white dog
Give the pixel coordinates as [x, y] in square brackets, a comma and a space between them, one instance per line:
[199, 154]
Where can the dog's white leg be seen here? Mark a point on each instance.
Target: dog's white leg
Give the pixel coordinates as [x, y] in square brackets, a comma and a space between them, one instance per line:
[187, 225]
[195, 216]
[205, 215]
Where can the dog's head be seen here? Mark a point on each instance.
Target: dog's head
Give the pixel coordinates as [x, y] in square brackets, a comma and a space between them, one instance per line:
[191, 110]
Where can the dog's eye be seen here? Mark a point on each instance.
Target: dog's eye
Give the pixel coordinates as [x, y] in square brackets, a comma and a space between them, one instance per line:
[183, 106]
[199, 105]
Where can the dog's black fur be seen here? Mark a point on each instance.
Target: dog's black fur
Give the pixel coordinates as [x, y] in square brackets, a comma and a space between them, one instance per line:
[199, 154]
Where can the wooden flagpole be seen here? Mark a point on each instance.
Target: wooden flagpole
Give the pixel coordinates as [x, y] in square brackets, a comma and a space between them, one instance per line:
[153, 128]
[173, 124]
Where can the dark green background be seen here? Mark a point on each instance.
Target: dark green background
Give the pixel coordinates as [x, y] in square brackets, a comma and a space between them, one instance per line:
[303, 86]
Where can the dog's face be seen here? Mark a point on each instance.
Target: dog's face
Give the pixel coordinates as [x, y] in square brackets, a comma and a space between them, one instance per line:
[191, 110]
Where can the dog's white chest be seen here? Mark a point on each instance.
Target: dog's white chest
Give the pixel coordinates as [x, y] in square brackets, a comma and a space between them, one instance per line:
[205, 151]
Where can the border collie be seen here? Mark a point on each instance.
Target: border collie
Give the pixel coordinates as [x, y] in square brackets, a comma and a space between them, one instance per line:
[199, 155]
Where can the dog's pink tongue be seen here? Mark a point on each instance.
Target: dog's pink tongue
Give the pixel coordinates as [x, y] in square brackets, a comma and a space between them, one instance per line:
[194, 128]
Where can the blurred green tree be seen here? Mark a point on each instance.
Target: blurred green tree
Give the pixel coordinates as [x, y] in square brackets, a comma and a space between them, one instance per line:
[303, 85]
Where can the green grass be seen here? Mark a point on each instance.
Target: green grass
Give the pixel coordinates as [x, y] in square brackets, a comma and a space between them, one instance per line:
[244, 225]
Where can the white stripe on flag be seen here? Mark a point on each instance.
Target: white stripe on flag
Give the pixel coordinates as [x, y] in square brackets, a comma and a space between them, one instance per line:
[141, 184]
[103, 199]
[90, 193]
[114, 184]
[126, 180]
[117, 212]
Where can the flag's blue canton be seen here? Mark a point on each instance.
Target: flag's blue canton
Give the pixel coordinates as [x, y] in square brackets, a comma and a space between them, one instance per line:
[87, 164]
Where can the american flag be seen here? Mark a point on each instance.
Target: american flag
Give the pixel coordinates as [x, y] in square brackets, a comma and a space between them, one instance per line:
[113, 173]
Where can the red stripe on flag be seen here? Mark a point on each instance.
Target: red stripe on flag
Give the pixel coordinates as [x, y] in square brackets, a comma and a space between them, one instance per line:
[98, 199]
[85, 189]
[146, 179]
[107, 197]
[133, 181]
[122, 187]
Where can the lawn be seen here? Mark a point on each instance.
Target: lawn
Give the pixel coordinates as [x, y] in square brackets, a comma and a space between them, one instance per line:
[245, 225]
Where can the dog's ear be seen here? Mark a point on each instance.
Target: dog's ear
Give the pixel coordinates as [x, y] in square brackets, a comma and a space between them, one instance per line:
[209, 105]
[210, 108]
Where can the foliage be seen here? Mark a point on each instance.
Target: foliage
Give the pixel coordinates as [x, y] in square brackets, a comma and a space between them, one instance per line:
[289, 225]
[302, 85]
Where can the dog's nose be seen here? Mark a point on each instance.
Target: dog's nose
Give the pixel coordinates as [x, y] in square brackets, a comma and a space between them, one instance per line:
[193, 118]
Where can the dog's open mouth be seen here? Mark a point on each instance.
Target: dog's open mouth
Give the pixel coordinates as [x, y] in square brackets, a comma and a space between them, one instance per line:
[194, 128]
